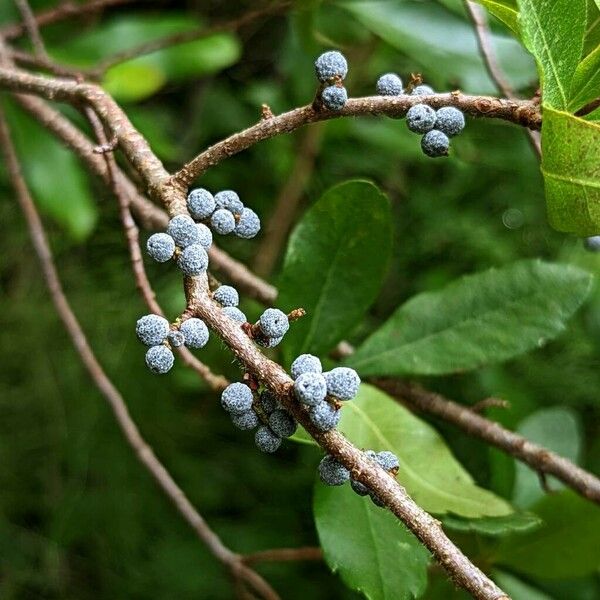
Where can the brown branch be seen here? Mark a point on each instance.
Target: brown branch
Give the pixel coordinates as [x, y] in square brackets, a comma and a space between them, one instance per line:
[286, 205]
[521, 112]
[537, 457]
[284, 555]
[181, 38]
[142, 450]
[216, 382]
[65, 10]
[31, 27]
[478, 18]
[424, 526]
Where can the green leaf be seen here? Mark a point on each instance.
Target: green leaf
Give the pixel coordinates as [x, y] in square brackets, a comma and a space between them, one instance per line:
[443, 43]
[506, 11]
[371, 550]
[133, 81]
[334, 265]
[476, 320]
[494, 526]
[67, 198]
[566, 546]
[570, 167]
[556, 429]
[586, 81]
[428, 470]
[553, 31]
[517, 589]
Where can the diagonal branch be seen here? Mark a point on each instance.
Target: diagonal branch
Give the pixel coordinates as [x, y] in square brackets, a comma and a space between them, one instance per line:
[31, 27]
[128, 427]
[427, 529]
[521, 112]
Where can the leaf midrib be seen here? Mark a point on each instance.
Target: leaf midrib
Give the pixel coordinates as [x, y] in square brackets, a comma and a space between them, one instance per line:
[481, 316]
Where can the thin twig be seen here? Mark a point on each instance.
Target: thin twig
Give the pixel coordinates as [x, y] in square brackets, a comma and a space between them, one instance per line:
[64, 10]
[100, 69]
[537, 457]
[482, 32]
[31, 27]
[286, 205]
[216, 382]
[142, 450]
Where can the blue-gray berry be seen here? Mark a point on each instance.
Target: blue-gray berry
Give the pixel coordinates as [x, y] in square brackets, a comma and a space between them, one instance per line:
[182, 228]
[159, 359]
[310, 388]
[420, 118]
[305, 363]
[324, 416]
[334, 97]
[329, 65]
[193, 260]
[342, 383]
[592, 243]
[152, 330]
[248, 225]
[176, 338]
[201, 204]
[422, 90]
[389, 85]
[205, 237]
[268, 401]
[273, 323]
[435, 143]
[449, 120]
[246, 420]
[222, 221]
[229, 200]
[282, 423]
[237, 398]
[160, 247]
[333, 472]
[268, 342]
[195, 332]
[360, 488]
[226, 295]
[266, 440]
[376, 500]
[234, 313]
[387, 460]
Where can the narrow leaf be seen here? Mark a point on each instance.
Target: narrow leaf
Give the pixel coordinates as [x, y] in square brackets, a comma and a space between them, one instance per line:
[506, 11]
[477, 320]
[494, 526]
[334, 266]
[586, 81]
[370, 549]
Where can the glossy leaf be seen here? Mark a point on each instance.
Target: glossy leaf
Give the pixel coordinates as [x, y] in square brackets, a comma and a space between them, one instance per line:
[553, 31]
[334, 265]
[586, 81]
[369, 548]
[567, 544]
[477, 320]
[570, 168]
[428, 470]
[556, 429]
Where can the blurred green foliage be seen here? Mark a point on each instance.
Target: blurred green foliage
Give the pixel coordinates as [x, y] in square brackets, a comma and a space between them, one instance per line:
[78, 516]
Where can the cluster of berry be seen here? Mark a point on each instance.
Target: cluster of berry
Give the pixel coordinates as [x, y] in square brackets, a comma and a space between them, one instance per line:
[188, 240]
[312, 388]
[250, 410]
[436, 126]
[228, 298]
[155, 331]
[332, 472]
[331, 69]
